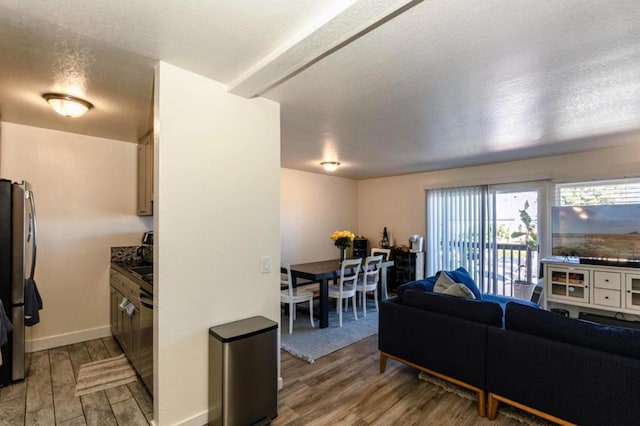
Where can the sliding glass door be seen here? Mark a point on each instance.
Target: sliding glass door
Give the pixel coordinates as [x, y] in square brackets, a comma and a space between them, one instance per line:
[512, 249]
[492, 231]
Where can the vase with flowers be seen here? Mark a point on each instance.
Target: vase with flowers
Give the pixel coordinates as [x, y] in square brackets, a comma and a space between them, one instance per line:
[343, 240]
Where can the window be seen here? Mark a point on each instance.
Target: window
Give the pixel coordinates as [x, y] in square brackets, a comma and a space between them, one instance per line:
[619, 191]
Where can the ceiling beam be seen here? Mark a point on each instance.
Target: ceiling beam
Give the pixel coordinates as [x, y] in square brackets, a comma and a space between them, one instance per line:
[317, 42]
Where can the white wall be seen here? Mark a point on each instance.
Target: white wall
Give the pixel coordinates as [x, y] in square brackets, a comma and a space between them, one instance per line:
[216, 214]
[399, 202]
[85, 193]
[312, 207]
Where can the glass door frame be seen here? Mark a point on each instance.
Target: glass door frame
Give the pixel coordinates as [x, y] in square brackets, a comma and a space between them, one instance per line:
[544, 191]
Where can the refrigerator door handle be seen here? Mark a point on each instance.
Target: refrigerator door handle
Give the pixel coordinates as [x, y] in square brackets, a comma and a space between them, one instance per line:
[33, 231]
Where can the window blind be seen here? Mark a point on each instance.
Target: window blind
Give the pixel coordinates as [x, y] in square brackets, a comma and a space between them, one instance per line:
[618, 191]
[456, 228]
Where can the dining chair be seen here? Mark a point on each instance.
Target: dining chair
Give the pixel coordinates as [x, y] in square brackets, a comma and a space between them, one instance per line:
[368, 280]
[385, 252]
[345, 289]
[293, 296]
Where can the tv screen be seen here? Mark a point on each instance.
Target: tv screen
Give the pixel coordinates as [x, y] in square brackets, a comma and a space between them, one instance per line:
[605, 231]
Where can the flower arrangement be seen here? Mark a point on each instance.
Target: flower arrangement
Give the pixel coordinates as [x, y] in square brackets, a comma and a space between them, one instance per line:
[343, 239]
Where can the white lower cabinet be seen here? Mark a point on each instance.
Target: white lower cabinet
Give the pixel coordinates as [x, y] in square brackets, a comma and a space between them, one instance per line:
[567, 284]
[609, 288]
[603, 297]
[632, 291]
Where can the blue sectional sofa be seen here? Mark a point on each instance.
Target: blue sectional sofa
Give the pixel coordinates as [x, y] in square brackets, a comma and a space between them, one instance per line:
[563, 369]
[444, 336]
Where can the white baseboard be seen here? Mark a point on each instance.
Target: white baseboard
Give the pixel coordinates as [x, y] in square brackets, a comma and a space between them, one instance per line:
[58, 340]
[197, 420]
[203, 418]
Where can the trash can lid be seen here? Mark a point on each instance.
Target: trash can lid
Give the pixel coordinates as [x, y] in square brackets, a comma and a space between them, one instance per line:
[242, 329]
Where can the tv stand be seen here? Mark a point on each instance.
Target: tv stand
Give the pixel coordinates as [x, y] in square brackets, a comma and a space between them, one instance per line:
[596, 286]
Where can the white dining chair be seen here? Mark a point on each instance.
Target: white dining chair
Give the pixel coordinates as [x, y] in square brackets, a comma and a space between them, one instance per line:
[368, 280]
[385, 252]
[345, 289]
[292, 296]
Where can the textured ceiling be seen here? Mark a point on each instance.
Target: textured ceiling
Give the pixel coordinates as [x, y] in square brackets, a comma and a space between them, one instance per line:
[384, 87]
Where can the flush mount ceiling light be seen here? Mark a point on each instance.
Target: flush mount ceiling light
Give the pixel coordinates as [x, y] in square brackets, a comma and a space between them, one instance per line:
[330, 166]
[66, 105]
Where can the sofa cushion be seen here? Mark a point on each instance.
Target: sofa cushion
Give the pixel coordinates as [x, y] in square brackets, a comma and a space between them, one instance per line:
[503, 300]
[468, 309]
[446, 285]
[541, 323]
[421, 285]
[461, 276]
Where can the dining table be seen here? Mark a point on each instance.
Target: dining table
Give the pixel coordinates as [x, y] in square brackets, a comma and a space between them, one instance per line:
[325, 271]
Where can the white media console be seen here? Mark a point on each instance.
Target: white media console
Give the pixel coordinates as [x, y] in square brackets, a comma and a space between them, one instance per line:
[608, 288]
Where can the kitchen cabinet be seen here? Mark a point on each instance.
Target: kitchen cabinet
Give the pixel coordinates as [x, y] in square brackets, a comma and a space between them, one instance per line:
[145, 176]
[117, 319]
[125, 327]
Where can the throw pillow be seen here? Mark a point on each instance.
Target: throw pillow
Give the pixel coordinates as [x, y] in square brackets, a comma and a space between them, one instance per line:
[461, 275]
[446, 285]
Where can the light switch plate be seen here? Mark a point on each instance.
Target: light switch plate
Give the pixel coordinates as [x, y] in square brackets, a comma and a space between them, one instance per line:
[265, 264]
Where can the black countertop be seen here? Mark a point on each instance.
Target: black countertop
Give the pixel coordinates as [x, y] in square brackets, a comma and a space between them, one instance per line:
[125, 268]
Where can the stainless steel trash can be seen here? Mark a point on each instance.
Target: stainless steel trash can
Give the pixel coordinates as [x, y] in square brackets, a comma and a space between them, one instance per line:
[243, 372]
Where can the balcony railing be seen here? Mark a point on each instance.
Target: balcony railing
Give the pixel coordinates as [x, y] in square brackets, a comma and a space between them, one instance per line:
[513, 262]
[504, 263]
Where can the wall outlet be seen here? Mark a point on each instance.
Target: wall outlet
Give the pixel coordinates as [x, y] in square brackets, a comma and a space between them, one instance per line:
[265, 264]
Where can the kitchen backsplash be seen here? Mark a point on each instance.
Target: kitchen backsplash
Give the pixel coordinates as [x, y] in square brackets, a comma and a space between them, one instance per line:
[126, 254]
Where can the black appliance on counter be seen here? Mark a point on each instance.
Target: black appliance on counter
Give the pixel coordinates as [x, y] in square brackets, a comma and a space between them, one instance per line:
[17, 264]
[145, 251]
[360, 247]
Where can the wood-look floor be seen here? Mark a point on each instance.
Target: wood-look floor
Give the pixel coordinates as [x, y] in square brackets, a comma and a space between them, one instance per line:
[342, 388]
[46, 396]
[346, 388]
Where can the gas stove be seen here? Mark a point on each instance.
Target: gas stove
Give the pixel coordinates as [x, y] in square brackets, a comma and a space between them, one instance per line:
[144, 272]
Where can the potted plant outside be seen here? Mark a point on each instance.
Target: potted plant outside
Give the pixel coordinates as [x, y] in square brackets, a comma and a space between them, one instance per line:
[523, 289]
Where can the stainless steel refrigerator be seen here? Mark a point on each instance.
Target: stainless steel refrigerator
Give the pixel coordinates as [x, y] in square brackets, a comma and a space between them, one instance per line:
[17, 263]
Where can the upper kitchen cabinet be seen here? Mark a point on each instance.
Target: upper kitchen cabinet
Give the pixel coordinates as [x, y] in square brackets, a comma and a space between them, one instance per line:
[145, 175]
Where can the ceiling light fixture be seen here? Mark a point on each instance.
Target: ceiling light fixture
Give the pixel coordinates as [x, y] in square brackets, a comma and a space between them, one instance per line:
[330, 166]
[66, 105]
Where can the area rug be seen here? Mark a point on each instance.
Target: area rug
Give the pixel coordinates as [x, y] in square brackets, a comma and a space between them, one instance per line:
[309, 344]
[104, 374]
[508, 411]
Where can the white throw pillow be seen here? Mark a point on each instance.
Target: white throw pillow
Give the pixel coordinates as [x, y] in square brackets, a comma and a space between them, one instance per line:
[446, 285]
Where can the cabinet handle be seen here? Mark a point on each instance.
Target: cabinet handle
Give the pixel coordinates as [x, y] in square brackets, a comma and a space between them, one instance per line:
[606, 297]
[606, 281]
